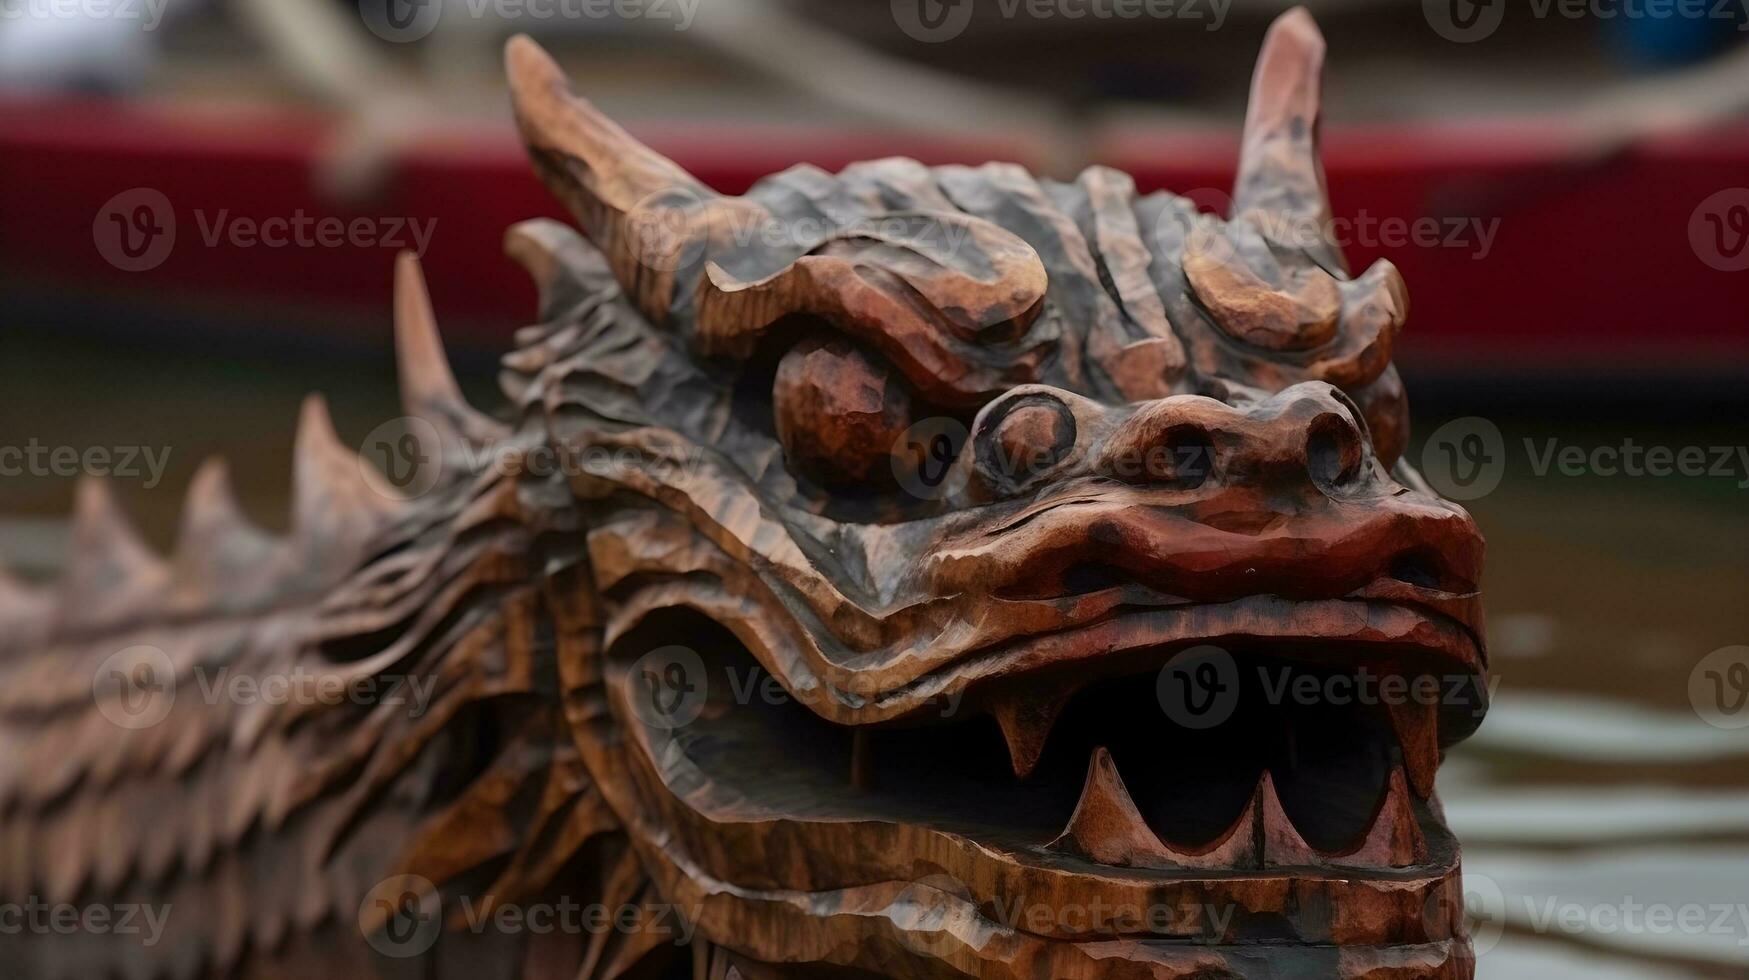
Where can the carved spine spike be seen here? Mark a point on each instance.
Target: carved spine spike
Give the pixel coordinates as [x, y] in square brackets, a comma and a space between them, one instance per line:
[211, 507]
[18, 601]
[337, 498]
[216, 542]
[428, 386]
[108, 567]
[101, 528]
[426, 380]
[1281, 175]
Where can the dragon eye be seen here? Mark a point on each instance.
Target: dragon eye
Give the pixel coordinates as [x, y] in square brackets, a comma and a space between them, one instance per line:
[1032, 436]
[839, 412]
[1023, 439]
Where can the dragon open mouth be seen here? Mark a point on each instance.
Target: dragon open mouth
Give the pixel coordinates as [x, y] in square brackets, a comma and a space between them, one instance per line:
[1307, 755]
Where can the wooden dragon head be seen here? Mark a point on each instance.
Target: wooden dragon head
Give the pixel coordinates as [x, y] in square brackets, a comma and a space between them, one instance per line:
[856, 578]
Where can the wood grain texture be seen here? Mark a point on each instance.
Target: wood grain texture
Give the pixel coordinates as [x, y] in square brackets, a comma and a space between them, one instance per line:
[815, 607]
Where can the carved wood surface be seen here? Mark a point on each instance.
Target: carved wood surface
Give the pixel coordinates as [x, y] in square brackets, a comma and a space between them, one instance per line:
[816, 599]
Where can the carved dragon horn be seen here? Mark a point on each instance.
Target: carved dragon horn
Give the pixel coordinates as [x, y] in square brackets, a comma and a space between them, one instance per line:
[1253, 292]
[640, 207]
[1280, 185]
[930, 288]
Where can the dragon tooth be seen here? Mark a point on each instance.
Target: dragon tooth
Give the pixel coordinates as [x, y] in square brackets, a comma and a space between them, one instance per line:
[1417, 728]
[1395, 839]
[1026, 720]
[1282, 844]
[1106, 826]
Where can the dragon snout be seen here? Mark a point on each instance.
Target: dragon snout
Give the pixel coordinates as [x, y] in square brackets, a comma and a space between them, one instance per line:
[1198, 498]
[1305, 438]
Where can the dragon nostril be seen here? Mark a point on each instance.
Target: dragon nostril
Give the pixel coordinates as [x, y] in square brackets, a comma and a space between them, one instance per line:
[1418, 569]
[1333, 452]
[1190, 456]
[1087, 577]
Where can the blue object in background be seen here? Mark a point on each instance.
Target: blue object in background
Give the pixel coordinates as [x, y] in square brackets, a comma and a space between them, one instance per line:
[1677, 33]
